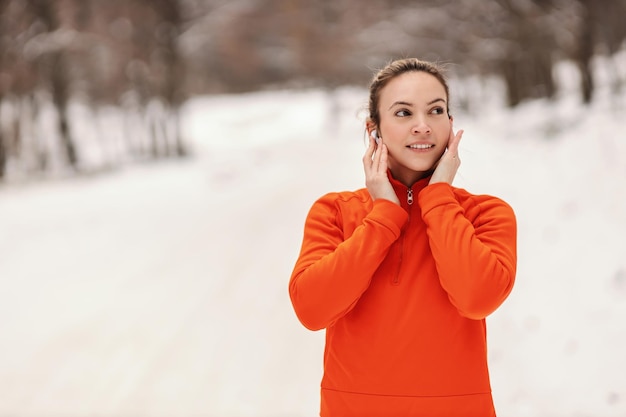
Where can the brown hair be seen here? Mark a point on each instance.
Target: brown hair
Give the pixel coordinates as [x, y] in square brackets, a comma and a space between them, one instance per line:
[392, 70]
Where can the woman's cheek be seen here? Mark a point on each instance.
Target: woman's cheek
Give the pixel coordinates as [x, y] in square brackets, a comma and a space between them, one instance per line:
[439, 155]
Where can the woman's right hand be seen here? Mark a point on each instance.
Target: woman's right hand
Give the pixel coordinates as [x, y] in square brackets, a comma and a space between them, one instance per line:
[376, 179]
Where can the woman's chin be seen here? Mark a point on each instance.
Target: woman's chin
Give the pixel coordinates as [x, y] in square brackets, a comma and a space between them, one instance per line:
[422, 169]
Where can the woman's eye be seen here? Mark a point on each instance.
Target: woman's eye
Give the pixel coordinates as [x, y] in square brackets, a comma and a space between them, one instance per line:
[403, 113]
[437, 110]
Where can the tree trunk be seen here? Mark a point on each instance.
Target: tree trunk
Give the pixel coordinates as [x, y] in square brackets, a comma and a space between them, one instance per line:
[3, 150]
[527, 64]
[171, 13]
[60, 97]
[585, 50]
[55, 69]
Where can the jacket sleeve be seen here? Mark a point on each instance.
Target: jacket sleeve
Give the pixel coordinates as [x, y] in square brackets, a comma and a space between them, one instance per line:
[475, 248]
[332, 271]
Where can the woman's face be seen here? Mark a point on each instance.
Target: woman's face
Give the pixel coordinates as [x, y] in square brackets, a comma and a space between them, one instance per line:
[414, 124]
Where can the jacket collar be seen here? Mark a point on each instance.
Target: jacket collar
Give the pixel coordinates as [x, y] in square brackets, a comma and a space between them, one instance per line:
[407, 195]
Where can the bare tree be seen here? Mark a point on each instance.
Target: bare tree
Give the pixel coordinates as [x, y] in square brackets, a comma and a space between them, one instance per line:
[585, 48]
[17, 82]
[3, 47]
[55, 70]
[600, 28]
[170, 25]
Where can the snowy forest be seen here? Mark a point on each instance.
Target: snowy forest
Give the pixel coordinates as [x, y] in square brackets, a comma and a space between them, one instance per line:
[158, 159]
[139, 61]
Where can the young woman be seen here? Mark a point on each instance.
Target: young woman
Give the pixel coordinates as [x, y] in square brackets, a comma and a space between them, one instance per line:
[402, 273]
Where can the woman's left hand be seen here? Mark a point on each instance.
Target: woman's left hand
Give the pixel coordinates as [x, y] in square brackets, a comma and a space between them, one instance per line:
[447, 166]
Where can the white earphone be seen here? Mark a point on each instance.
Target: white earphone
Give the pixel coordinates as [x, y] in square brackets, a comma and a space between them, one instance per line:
[374, 135]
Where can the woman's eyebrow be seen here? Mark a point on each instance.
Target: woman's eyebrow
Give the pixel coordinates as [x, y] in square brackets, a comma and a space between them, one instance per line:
[401, 103]
[406, 103]
[435, 101]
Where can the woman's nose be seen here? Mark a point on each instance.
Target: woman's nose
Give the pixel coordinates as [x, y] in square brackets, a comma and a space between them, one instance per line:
[420, 128]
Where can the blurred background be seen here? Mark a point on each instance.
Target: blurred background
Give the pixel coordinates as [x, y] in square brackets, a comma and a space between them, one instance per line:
[158, 158]
[142, 59]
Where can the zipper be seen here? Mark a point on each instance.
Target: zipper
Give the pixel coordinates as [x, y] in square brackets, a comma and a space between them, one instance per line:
[409, 200]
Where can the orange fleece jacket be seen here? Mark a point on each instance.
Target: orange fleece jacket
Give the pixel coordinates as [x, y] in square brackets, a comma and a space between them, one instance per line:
[403, 292]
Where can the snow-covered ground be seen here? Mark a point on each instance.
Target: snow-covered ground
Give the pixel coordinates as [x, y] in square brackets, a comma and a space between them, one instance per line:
[161, 289]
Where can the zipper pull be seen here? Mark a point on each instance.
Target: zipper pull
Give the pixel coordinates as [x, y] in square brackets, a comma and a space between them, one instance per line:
[409, 196]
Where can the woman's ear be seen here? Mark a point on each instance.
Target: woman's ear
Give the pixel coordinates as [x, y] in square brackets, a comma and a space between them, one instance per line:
[370, 126]
[372, 131]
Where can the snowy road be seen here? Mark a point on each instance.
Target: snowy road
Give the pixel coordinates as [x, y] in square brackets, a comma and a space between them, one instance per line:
[161, 289]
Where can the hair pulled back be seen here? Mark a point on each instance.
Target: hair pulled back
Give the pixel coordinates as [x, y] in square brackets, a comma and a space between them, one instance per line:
[394, 69]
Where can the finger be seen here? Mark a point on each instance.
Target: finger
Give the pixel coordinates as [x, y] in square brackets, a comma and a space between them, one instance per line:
[378, 151]
[367, 158]
[453, 145]
[451, 135]
[457, 137]
[382, 163]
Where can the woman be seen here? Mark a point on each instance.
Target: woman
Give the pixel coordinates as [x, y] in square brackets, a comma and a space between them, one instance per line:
[402, 273]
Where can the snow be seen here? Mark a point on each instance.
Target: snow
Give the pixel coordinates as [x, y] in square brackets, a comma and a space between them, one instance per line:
[161, 289]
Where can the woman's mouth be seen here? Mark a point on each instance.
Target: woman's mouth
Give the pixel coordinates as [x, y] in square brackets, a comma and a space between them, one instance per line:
[421, 146]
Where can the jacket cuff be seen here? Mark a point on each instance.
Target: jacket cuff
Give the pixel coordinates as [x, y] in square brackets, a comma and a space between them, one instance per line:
[389, 214]
[435, 195]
